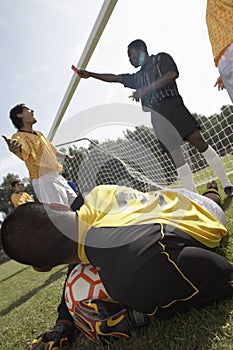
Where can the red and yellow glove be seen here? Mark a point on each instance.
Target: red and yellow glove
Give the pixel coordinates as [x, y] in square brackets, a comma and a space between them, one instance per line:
[106, 320]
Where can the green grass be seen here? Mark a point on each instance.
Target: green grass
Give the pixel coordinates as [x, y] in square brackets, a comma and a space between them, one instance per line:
[29, 302]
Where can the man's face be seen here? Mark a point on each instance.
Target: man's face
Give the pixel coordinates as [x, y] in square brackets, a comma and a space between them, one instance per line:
[27, 115]
[18, 187]
[136, 57]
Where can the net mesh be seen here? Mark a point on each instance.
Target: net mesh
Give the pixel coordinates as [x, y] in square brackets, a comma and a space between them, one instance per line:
[140, 161]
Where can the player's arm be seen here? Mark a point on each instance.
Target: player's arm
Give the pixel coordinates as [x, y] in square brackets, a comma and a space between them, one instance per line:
[64, 155]
[13, 144]
[55, 150]
[109, 78]
[28, 198]
[167, 72]
[14, 200]
[163, 81]
[18, 147]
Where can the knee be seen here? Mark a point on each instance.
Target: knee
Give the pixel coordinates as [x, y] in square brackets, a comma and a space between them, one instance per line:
[178, 157]
[202, 147]
[198, 142]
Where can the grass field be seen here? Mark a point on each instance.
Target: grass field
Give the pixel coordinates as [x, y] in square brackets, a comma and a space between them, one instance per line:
[29, 300]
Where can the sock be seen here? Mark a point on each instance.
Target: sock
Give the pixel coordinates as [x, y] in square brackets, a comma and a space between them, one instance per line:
[186, 177]
[214, 161]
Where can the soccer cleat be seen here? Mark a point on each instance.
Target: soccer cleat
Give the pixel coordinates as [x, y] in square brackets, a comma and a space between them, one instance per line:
[229, 191]
[212, 192]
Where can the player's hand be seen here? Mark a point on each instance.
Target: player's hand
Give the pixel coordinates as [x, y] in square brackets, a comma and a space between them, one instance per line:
[138, 94]
[219, 84]
[68, 156]
[84, 74]
[13, 144]
[59, 338]
[133, 96]
[106, 320]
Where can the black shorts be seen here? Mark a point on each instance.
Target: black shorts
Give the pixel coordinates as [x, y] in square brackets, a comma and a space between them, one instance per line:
[174, 110]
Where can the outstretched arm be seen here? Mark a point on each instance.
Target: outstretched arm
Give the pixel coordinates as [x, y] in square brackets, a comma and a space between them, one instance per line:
[110, 78]
[13, 144]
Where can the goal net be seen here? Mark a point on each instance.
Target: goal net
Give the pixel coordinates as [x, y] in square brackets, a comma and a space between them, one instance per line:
[137, 158]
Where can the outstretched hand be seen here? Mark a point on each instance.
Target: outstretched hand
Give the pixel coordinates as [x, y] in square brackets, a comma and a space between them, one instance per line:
[84, 74]
[13, 144]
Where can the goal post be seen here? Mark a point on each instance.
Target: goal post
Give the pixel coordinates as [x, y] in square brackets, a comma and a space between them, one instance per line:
[98, 28]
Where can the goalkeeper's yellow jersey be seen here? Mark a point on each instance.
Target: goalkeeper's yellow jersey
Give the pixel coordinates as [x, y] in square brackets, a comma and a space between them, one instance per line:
[114, 207]
[219, 19]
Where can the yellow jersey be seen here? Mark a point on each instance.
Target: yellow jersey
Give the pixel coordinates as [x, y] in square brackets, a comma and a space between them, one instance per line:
[38, 153]
[114, 207]
[219, 19]
[20, 198]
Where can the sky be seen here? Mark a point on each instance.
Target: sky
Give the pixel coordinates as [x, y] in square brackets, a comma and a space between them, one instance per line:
[41, 39]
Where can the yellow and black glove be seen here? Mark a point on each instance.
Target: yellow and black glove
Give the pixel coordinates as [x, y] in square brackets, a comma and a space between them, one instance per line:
[59, 338]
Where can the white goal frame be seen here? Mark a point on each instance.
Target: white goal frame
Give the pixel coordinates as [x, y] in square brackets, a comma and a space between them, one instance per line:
[98, 28]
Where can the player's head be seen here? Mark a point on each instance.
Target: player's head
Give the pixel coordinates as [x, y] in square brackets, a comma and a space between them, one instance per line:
[137, 52]
[29, 236]
[16, 185]
[19, 112]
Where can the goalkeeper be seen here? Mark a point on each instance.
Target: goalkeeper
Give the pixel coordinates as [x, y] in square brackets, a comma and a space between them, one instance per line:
[129, 236]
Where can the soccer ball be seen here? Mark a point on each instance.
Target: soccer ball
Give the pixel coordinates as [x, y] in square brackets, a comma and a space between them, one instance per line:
[83, 283]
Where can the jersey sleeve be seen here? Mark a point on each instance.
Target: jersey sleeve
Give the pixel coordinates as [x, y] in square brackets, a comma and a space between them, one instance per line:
[25, 150]
[166, 63]
[132, 81]
[28, 197]
[14, 200]
[47, 142]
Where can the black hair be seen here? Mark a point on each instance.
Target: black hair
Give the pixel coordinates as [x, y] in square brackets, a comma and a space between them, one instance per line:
[30, 237]
[14, 182]
[18, 109]
[137, 44]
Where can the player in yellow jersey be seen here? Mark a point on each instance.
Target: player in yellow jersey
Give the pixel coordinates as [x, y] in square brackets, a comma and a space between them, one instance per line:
[19, 197]
[219, 19]
[40, 157]
[160, 244]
